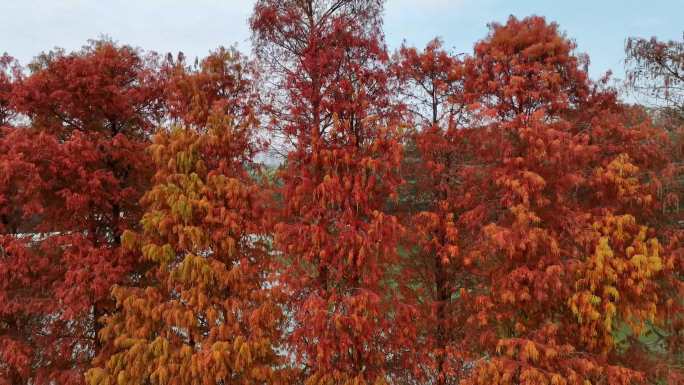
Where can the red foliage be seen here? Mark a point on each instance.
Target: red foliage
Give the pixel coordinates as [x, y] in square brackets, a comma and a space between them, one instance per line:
[336, 242]
[527, 65]
[431, 84]
[71, 182]
[551, 158]
[495, 217]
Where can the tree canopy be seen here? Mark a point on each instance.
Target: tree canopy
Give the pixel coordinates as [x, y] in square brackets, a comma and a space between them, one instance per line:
[489, 217]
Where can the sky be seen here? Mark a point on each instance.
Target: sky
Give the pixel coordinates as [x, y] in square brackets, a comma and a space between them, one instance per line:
[599, 27]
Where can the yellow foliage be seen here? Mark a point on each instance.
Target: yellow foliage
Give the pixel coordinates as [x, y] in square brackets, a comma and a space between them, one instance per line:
[609, 272]
[530, 352]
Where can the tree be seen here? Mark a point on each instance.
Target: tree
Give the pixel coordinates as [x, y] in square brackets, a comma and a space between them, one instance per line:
[208, 313]
[655, 69]
[431, 85]
[337, 243]
[10, 71]
[74, 175]
[560, 183]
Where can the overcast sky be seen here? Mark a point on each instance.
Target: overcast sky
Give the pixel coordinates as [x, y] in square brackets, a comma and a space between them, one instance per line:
[599, 27]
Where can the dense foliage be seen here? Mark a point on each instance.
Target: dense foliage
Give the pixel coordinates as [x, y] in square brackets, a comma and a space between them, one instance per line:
[494, 217]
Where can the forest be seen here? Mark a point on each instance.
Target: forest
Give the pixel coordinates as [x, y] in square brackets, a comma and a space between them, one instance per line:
[326, 211]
